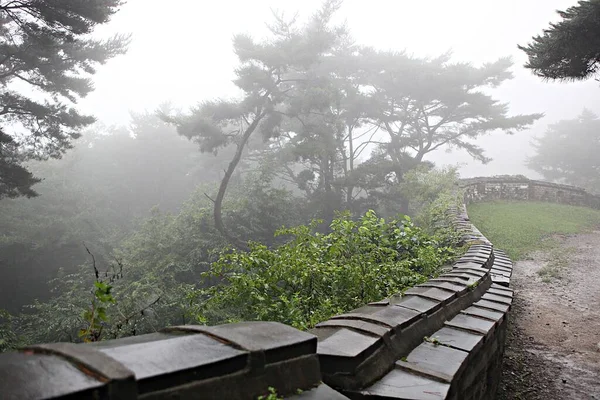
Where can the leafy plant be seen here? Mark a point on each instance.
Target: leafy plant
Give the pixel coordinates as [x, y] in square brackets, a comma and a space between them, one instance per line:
[271, 396]
[315, 275]
[95, 316]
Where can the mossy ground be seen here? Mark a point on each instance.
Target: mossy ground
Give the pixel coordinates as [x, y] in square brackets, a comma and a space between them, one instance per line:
[520, 227]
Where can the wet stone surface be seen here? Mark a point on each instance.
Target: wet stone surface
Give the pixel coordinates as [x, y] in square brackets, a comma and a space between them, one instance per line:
[459, 339]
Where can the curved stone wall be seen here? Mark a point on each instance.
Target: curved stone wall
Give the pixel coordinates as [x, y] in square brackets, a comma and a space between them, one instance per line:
[443, 339]
[521, 188]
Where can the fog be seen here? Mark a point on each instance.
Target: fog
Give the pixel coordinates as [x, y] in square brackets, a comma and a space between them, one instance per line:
[182, 53]
[208, 143]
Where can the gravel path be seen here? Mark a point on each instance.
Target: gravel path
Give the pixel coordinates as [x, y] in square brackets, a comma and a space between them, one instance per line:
[553, 344]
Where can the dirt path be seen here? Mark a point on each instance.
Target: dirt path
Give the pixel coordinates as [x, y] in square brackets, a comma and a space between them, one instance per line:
[553, 344]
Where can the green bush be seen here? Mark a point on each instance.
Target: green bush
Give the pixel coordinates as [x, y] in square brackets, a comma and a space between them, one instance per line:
[315, 276]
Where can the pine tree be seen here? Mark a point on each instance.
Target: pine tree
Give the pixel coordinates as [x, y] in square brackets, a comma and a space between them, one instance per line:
[568, 152]
[570, 49]
[46, 63]
[270, 74]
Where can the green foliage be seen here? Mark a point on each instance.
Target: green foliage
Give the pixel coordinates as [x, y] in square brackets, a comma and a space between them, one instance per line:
[155, 268]
[8, 336]
[521, 227]
[568, 152]
[315, 276]
[271, 396]
[97, 193]
[431, 193]
[433, 340]
[95, 316]
[569, 49]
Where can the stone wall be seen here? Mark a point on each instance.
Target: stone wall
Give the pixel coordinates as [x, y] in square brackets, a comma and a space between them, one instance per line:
[443, 339]
[521, 188]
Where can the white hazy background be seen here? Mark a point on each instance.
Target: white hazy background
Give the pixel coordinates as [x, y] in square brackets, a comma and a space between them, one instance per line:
[181, 52]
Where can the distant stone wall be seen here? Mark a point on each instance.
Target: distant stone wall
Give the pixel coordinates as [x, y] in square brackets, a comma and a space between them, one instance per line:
[443, 339]
[521, 188]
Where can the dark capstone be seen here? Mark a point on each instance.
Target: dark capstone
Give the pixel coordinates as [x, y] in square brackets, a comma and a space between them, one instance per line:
[496, 272]
[37, 376]
[383, 302]
[473, 324]
[477, 272]
[398, 384]
[459, 339]
[450, 279]
[394, 317]
[276, 340]
[183, 358]
[150, 337]
[469, 264]
[87, 357]
[435, 360]
[346, 343]
[431, 293]
[419, 304]
[119, 379]
[500, 280]
[500, 287]
[483, 313]
[496, 298]
[459, 289]
[503, 269]
[492, 305]
[362, 326]
[499, 292]
[321, 392]
[467, 279]
[471, 271]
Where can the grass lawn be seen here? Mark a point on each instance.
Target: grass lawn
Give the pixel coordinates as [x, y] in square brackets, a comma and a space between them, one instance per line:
[519, 227]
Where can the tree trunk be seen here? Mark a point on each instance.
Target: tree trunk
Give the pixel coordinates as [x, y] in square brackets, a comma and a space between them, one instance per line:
[217, 211]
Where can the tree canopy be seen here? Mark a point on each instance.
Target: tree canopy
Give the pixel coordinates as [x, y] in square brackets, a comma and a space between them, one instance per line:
[569, 49]
[568, 152]
[46, 62]
[323, 103]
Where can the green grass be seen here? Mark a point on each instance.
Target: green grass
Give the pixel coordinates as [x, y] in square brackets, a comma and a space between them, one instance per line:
[520, 227]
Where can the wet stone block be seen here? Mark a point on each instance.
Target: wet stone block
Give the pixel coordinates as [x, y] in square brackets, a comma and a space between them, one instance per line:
[472, 324]
[402, 385]
[494, 306]
[419, 304]
[467, 279]
[459, 339]
[434, 360]
[435, 294]
[483, 313]
[502, 269]
[391, 316]
[361, 326]
[451, 279]
[157, 365]
[470, 264]
[499, 292]
[496, 298]
[503, 288]
[459, 289]
[497, 272]
[321, 392]
[276, 340]
[38, 376]
[500, 280]
[471, 271]
[346, 343]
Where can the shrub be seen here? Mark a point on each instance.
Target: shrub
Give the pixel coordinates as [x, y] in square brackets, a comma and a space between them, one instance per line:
[315, 276]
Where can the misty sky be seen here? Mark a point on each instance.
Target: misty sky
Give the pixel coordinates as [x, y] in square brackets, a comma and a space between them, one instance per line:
[181, 52]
